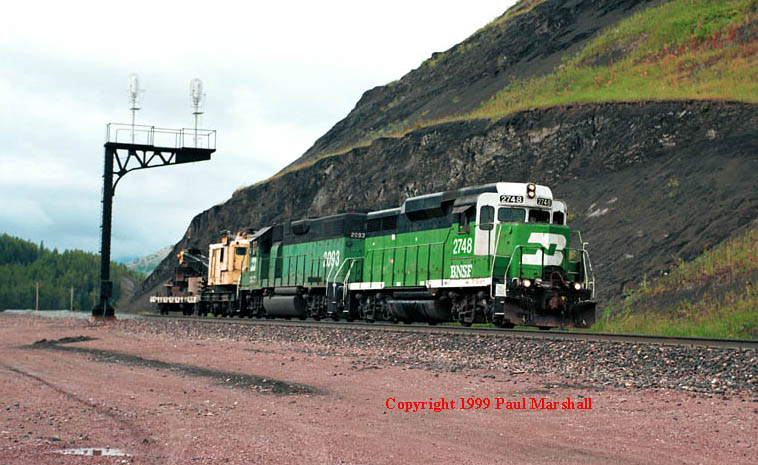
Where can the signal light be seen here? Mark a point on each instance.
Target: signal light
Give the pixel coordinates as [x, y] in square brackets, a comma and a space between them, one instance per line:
[530, 190]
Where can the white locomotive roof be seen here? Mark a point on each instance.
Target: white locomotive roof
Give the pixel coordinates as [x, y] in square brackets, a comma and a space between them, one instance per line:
[515, 191]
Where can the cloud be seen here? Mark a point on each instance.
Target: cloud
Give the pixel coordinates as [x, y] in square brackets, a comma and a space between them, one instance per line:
[277, 76]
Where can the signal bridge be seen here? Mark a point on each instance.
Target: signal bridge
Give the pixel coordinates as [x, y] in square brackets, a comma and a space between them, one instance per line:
[131, 147]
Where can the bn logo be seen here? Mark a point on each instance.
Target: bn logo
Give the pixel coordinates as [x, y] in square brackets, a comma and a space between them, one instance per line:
[554, 245]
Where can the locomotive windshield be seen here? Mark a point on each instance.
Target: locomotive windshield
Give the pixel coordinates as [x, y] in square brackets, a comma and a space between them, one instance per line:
[511, 215]
[519, 215]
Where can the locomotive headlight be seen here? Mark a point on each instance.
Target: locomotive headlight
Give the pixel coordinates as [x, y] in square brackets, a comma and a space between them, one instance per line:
[526, 283]
[530, 190]
[577, 286]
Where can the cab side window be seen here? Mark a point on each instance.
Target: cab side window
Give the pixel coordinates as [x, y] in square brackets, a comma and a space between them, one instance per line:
[486, 217]
[464, 218]
[558, 218]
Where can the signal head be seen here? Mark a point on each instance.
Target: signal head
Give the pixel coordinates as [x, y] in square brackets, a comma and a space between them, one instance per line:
[196, 92]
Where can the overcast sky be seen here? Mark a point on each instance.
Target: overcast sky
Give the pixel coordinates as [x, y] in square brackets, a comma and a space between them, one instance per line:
[277, 75]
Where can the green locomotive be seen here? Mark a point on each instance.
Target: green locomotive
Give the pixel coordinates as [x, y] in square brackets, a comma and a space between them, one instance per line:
[497, 253]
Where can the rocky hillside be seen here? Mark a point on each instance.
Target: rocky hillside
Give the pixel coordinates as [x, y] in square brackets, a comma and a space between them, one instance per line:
[712, 296]
[649, 181]
[527, 41]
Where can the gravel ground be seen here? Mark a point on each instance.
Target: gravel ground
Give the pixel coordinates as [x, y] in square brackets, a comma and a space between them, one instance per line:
[166, 392]
[710, 371]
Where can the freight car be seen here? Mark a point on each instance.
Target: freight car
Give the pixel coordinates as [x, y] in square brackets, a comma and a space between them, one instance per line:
[497, 253]
[183, 292]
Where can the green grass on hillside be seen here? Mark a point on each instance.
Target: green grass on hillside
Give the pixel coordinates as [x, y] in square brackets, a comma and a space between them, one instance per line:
[683, 49]
[726, 307]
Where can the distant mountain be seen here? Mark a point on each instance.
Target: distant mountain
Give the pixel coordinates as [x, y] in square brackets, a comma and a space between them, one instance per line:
[147, 264]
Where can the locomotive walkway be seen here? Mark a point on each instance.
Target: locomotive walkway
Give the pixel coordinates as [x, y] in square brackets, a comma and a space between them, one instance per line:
[520, 333]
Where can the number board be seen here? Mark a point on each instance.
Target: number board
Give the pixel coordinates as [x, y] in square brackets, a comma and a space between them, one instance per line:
[544, 202]
[511, 199]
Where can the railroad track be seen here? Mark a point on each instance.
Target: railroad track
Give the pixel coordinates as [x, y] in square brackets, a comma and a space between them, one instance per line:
[522, 333]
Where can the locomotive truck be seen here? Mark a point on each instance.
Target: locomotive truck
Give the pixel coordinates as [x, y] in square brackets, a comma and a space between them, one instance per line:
[499, 253]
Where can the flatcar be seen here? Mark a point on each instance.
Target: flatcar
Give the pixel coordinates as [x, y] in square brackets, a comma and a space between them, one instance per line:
[499, 253]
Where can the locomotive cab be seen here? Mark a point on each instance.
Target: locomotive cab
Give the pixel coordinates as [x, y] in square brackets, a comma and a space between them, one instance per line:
[228, 259]
[226, 262]
[538, 278]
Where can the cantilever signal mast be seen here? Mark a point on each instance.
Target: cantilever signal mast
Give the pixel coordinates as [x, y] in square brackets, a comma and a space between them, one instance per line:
[134, 95]
[197, 99]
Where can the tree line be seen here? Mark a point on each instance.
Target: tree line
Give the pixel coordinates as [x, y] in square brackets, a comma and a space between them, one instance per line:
[23, 264]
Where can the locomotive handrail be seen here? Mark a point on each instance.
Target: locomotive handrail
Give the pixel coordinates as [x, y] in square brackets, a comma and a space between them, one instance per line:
[586, 255]
[347, 275]
[329, 275]
[588, 277]
[494, 259]
[348, 259]
[352, 261]
[508, 267]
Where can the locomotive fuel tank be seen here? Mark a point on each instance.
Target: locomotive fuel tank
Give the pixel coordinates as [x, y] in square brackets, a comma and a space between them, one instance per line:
[285, 306]
[424, 311]
[420, 307]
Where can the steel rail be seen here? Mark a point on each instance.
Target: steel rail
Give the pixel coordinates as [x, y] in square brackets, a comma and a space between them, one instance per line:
[520, 333]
